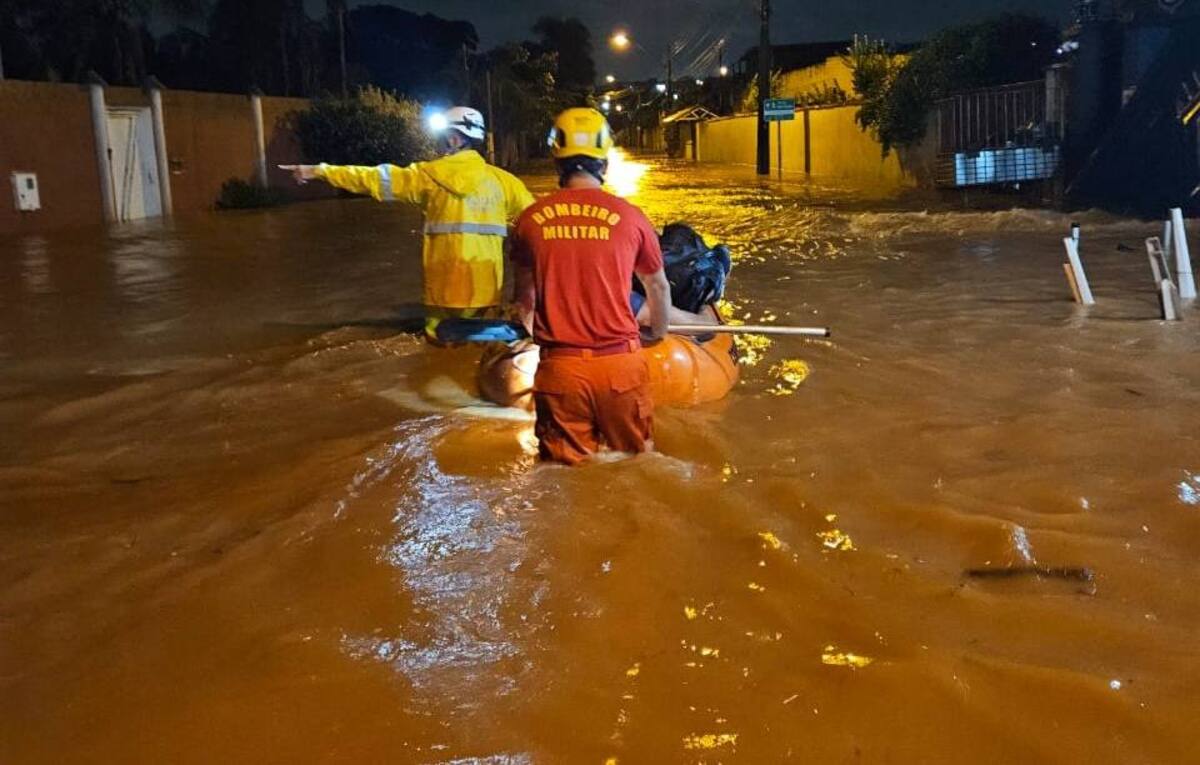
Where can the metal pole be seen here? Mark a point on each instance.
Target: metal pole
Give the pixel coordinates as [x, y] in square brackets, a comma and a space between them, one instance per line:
[1, 65]
[779, 146]
[670, 75]
[154, 89]
[103, 153]
[764, 88]
[341, 23]
[807, 144]
[491, 121]
[260, 140]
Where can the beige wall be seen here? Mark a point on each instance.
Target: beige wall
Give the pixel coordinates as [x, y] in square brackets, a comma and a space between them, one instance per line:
[832, 72]
[839, 149]
[46, 128]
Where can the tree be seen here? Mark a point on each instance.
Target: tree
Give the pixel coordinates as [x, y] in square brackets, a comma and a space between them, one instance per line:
[418, 55]
[524, 96]
[65, 39]
[1010, 48]
[571, 43]
[369, 129]
[267, 44]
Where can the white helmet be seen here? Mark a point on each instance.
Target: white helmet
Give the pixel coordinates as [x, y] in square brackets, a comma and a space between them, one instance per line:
[465, 120]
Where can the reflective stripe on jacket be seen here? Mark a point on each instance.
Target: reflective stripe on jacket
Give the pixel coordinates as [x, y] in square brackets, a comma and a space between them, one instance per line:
[467, 203]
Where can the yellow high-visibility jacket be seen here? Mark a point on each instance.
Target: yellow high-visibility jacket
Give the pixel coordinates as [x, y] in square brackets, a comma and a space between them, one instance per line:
[468, 204]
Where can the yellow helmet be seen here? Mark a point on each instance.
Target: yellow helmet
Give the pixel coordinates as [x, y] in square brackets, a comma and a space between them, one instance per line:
[580, 132]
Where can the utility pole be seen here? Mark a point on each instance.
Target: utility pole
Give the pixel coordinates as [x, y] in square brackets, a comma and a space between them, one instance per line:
[491, 121]
[764, 88]
[341, 25]
[670, 73]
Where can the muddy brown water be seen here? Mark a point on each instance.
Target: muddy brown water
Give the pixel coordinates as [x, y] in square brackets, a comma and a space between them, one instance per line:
[245, 518]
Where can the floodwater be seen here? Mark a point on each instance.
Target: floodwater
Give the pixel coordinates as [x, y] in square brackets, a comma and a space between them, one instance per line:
[245, 518]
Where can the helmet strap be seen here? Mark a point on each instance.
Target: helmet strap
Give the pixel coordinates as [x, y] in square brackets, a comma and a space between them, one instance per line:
[572, 165]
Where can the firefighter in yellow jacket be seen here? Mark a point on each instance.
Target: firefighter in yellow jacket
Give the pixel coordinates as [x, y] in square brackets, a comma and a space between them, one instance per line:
[467, 203]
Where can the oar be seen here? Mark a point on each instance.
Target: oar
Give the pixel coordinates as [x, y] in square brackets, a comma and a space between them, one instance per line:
[747, 329]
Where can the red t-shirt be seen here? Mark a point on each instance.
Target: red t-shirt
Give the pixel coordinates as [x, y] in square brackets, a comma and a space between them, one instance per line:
[584, 246]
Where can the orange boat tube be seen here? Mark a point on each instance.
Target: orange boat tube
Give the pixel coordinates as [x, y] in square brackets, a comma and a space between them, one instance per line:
[683, 372]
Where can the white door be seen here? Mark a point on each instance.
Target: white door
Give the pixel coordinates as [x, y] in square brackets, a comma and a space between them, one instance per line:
[134, 168]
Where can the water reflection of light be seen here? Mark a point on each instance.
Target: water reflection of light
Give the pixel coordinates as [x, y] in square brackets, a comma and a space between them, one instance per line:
[35, 265]
[624, 175]
[457, 542]
[1189, 489]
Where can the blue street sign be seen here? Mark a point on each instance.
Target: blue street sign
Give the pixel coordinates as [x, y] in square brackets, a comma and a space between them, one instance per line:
[779, 109]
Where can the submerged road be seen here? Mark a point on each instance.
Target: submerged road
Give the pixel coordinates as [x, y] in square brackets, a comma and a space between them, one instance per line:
[243, 518]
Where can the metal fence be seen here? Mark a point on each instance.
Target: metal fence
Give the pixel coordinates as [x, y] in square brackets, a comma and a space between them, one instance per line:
[998, 135]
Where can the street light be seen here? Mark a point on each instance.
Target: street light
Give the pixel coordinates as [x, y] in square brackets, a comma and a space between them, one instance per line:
[620, 108]
[604, 106]
[610, 79]
[620, 40]
[661, 87]
[699, 81]
[724, 70]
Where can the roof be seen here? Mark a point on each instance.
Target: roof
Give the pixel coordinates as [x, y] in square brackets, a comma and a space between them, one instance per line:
[689, 114]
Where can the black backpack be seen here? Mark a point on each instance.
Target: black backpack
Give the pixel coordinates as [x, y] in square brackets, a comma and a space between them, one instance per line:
[697, 272]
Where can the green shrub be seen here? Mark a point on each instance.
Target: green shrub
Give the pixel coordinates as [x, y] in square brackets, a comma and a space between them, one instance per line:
[371, 128]
[237, 194]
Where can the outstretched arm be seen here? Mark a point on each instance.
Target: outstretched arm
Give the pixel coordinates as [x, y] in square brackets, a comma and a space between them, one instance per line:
[385, 182]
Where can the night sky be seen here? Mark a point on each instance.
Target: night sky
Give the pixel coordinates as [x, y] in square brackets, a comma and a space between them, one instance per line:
[699, 24]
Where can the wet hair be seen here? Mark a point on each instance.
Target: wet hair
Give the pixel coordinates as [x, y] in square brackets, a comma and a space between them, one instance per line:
[569, 166]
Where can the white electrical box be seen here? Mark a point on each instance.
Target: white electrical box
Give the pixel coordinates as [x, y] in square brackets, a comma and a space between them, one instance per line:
[25, 192]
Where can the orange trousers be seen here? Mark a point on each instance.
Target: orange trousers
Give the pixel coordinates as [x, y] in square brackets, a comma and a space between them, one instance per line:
[586, 402]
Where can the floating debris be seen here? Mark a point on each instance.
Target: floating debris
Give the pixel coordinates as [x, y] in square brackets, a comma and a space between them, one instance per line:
[1114, 684]
[690, 612]
[709, 740]
[757, 587]
[835, 658]
[771, 540]
[1082, 574]
[752, 349]
[634, 670]
[791, 374]
[831, 518]
[835, 539]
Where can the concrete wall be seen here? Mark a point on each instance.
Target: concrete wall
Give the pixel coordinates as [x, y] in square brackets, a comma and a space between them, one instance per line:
[46, 128]
[832, 71]
[838, 149]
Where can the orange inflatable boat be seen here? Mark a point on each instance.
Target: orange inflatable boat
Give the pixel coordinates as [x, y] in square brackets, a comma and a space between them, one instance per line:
[683, 371]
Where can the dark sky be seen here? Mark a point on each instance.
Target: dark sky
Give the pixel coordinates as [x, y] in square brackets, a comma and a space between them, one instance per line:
[696, 25]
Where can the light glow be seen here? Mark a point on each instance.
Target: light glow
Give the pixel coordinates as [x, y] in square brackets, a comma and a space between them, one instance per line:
[624, 176]
[661, 87]
[437, 122]
[619, 40]
[610, 79]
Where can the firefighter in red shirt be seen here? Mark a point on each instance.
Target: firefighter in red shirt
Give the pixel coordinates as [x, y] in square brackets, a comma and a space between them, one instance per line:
[576, 252]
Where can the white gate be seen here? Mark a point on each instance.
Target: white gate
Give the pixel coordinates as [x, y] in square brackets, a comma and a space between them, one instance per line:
[134, 167]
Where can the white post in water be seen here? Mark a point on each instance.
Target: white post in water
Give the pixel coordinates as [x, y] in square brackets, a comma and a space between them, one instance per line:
[100, 138]
[1085, 290]
[1183, 258]
[154, 89]
[260, 140]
